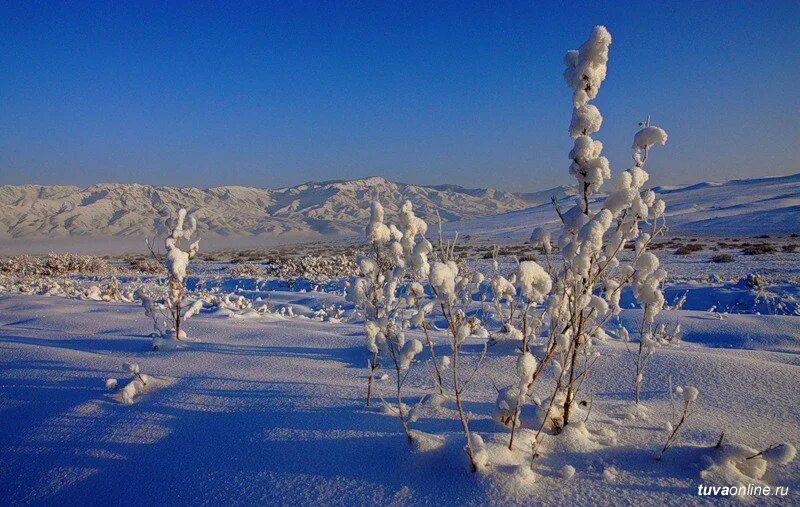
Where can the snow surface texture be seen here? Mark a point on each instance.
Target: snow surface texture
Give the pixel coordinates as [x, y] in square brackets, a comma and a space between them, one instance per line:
[42, 214]
[263, 410]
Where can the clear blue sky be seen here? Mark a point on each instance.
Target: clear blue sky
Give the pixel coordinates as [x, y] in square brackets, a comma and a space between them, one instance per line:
[273, 94]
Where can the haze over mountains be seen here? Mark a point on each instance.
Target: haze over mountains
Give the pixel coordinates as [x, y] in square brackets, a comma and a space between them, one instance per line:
[341, 208]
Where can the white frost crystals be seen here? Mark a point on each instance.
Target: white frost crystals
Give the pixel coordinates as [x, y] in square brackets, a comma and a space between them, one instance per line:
[178, 259]
[649, 136]
[586, 67]
[534, 282]
[585, 72]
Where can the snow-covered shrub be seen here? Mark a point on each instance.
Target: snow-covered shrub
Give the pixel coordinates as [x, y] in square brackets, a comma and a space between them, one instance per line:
[312, 267]
[648, 342]
[589, 283]
[454, 289]
[517, 301]
[551, 314]
[687, 396]
[246, 270]
[759, 249]
[55, 265]
[137, 385]
[148, 266]
[61, 264]
[20, 265]
[111, 291]
[734, 464]
[581, 292]
[722, 258]
[376, 293]
[330, 313]
[173, 308]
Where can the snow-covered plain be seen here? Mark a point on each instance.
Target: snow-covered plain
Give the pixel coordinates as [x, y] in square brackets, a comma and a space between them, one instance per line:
[746, 207]
[269, 408]
[110, 394]
[265, 401]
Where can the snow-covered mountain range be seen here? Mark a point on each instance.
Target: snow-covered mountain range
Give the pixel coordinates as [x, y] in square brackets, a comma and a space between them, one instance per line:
[340, 208]
[327, 208]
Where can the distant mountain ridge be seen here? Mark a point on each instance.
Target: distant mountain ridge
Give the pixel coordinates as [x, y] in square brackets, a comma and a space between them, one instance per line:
[338, 207]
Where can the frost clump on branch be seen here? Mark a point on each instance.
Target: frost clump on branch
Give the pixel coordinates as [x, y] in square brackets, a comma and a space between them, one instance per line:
[649, 136]
[586, 67]
[585, 72]
[585, 120]
[534, 282]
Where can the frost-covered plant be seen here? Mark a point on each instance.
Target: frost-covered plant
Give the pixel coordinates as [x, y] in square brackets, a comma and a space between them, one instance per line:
[579, 289]
[107, 292]
[376, 293]
[246, 270]
[399, 263]
[516, 301]
[648, 342]
[589, 283]
[329, 313]
[526, 371]
[170, 312]
[148, 266]
[136, 386]
[687, 395]
[368, 291]
[454, 290]
[55, 264]
[312, 267]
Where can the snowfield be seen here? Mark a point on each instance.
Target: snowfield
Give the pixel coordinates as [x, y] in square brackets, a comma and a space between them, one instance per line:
[616, 346]
[271, 409]
[737, 208]
[264, 401]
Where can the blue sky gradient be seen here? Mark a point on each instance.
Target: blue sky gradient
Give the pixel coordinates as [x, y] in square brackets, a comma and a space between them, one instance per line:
[278, 93]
